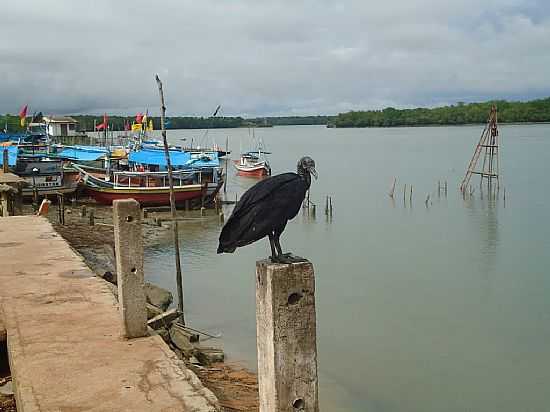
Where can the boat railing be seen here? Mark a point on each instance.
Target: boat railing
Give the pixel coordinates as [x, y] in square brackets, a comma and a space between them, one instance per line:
[150, 179]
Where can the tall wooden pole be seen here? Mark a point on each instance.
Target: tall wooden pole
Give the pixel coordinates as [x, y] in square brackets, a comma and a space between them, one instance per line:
[179, 281]
[226, 164]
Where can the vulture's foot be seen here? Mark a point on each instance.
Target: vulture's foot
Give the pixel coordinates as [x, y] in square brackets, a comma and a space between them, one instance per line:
[287, 259]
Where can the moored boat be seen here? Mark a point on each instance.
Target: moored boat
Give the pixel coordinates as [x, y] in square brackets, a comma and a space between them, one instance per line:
[253, 164]
[45, 176]
[147, 187]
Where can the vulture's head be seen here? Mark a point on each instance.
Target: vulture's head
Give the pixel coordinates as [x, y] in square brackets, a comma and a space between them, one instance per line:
[306, 166]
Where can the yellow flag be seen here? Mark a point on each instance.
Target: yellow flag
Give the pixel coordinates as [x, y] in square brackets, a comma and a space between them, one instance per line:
[136, 127]
[23, 121]
[150, 126]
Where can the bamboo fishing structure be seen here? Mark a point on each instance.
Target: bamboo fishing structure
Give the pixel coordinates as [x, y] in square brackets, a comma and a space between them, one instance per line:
[488, 145]
[179, 281]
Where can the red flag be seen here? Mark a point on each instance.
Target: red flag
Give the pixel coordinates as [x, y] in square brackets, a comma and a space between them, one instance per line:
[23, 112]
[23, 115]
[139, 117]
[103, 126]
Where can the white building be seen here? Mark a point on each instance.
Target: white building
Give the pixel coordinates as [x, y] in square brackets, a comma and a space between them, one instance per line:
[60, 125]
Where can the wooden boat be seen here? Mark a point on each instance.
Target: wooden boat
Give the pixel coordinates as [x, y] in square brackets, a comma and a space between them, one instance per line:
[148, 188]
[45, 176]
[253, 164]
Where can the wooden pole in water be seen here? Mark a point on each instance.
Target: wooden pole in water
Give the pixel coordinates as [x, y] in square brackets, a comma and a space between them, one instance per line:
[226, 164]
[179, 280]
[411, 196]
[392, 190]
[5, 161]
[404, 193]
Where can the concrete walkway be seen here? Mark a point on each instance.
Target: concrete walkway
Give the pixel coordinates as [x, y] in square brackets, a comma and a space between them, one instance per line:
[63, 334]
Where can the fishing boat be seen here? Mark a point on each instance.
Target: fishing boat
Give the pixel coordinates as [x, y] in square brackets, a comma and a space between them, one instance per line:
[45, 176]
[146, 179]
[148, 188]
[253, 164]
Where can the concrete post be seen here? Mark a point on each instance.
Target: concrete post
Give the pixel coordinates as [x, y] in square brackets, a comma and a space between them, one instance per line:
[129, 267]
[286, 337]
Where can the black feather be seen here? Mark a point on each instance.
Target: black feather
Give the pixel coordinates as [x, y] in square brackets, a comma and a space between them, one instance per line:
[263, 209]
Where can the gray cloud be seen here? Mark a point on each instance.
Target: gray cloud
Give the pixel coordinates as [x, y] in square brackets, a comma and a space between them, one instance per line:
[264, 58]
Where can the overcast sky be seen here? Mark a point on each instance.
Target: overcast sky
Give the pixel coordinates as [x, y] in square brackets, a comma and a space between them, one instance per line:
[259, 57]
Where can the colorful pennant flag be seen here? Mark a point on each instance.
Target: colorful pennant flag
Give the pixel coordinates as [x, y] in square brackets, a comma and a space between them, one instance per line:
[23, 115]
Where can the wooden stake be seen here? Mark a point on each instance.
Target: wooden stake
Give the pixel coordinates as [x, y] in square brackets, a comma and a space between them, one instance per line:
[411, 196]
[427, 200]
[404, 193]
[392, 190]
[179, 280]
[226, 164]
[5, 161]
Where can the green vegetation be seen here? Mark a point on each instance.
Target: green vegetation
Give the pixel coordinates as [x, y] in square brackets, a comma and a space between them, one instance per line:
[461, 113]
[289, 120]
[508, 112]
[10, 121]
[86, 122]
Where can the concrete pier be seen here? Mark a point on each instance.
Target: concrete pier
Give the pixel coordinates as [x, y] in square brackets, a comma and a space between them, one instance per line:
[64, 335]
[286, 337]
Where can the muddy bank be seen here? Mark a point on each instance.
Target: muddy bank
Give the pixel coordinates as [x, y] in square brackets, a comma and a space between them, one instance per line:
[234, 386]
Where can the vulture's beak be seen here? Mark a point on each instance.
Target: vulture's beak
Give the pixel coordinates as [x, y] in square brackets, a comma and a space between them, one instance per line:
[313, 172]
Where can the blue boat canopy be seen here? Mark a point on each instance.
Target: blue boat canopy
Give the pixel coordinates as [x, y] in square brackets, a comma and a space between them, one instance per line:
[83, 153]
[156, 157]
[180, 160]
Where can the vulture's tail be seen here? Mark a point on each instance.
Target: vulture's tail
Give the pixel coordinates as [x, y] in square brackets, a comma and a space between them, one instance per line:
[227, 244]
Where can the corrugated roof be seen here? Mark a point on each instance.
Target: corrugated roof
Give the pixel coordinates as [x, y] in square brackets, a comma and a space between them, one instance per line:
[59, 119]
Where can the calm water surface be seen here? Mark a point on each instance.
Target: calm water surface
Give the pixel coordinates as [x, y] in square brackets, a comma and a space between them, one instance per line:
[445, 308]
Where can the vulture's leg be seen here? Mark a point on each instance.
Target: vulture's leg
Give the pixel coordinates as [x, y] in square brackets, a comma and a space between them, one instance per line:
[286, 257]
[274, 256]
[278, 244]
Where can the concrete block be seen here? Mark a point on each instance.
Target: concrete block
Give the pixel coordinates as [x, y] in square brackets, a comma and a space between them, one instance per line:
[162, 332]
[152, 311]
[180, 339]
[164, 319]
[158, 296]
[129, 262]
[286, 337]
[208, 355]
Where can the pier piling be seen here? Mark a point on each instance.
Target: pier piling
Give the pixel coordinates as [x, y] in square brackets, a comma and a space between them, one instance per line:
[129, 266]
[5, 164]
[286, 337]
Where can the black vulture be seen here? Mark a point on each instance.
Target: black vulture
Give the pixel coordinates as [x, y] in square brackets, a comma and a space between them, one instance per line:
[264, 210]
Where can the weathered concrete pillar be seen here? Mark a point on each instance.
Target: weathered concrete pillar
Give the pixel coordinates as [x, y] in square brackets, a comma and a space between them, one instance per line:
[129, 267]
[286, 337]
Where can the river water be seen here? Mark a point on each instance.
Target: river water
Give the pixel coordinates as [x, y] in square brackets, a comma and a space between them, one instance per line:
[439, 308]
